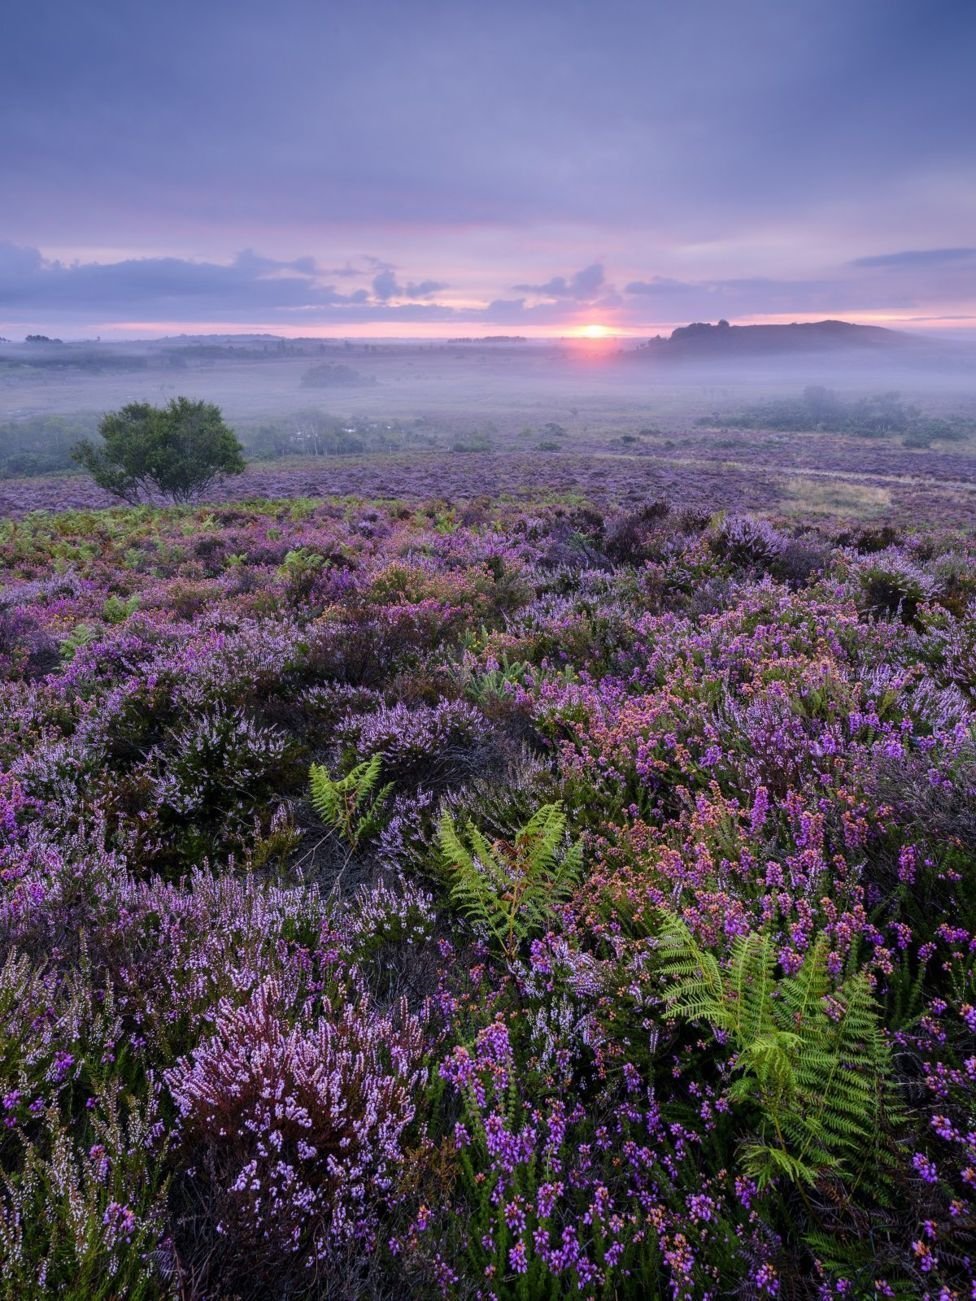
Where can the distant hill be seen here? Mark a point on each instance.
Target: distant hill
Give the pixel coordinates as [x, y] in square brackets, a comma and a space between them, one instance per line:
[701, 341]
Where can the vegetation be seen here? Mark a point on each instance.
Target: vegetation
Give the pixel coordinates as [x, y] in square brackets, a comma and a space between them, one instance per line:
[809, 1054]
[334, 375]
[310, 432]
[470, 899]
[177, 451]
[511, 889]
[41, 444]
[818, 408]
[351, 805]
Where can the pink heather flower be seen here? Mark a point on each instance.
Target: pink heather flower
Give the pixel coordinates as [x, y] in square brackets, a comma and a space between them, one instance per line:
[907, 865]
[925, 1168]
[517, 1258]
[760, 810]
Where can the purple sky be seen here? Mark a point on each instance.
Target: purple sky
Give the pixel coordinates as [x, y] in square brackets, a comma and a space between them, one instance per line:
[390, 167]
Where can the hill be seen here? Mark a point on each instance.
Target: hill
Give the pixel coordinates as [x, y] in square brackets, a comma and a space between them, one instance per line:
[701, 341]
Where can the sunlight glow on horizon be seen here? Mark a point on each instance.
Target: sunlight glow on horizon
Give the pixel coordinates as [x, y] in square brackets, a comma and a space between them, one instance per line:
[591, 332]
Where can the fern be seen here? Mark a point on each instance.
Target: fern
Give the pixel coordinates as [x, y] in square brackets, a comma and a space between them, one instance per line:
[811, 1061]
[511, 888]
[351, 805]
[299, 569]
[117, 610]
[490, 685]
[82, 634]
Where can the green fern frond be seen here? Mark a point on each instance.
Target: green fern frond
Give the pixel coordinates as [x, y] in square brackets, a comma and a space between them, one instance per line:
[810, 1061]
[511, 888]
[695, 985]
[765, 1163]
[352, 805]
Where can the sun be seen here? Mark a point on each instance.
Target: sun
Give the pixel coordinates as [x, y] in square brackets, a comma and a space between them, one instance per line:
[594, 331]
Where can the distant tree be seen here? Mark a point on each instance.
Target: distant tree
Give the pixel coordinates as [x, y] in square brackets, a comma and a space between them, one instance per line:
[177, 450]
[334, 374]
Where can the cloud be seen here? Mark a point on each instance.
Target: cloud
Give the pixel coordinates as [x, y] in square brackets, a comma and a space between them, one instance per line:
[743, 296]
[249, 287]
[386, 286]
[152, 286]
[706, 142]
[47, 295]
[583, 286]
[659, 285]
[347, 269]
[924, 257]
[866, 284]
[645, 131]
[18, 262]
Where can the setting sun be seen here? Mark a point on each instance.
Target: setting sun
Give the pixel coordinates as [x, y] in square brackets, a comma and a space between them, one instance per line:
[594, 331]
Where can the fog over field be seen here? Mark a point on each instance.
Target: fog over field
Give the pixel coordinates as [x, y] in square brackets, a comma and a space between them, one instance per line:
[393, 414]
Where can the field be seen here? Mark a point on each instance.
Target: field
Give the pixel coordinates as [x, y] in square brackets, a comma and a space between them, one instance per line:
[504, 421]
[564, 894]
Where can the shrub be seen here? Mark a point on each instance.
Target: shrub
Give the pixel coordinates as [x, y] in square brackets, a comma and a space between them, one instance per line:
[88, 1222]
[632, 538]
[214, 773]
[433, 743]
[178, 450]
[293, 1134]
[746, 541]
[893, 584]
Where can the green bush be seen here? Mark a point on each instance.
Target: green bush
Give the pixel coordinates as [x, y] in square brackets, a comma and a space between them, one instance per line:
[177, 450]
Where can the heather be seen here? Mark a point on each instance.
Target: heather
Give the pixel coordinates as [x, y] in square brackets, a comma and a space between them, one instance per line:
[519, 900]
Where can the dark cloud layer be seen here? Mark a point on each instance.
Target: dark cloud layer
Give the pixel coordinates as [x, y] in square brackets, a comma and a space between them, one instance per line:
[151, 289]
[386, 286]
[583, 286]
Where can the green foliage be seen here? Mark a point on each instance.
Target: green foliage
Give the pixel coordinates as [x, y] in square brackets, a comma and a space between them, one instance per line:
[82, 1219]
[81, 635]
[312, 432]
[818, 408]
[511, 888]
[41, 444]
[299, 570]
[335, 375]
[811, 1063]
[485, 686]
[177, 450]
[351, 805]
[117, 610]
[473, 443]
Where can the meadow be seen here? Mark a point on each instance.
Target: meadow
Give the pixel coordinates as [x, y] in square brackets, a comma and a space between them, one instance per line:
[520, 421]
[568, 892]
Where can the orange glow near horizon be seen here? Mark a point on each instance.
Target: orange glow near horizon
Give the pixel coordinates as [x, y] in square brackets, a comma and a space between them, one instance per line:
[592, 332]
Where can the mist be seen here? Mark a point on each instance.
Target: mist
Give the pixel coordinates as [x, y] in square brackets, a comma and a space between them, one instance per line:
[715, 414]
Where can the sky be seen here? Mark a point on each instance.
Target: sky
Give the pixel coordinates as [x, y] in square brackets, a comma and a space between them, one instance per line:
[443, 167]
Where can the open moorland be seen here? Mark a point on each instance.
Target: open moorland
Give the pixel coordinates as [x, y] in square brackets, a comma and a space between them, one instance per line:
[552, 897]
[456, 421]
[488, 651]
